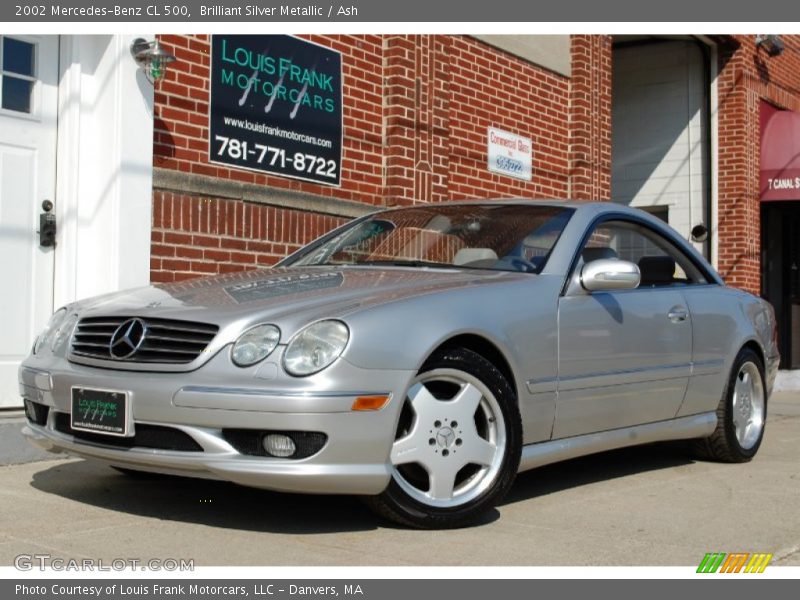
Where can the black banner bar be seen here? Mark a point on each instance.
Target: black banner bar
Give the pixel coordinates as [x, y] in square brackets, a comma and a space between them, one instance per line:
[730, 588]
[461, 11]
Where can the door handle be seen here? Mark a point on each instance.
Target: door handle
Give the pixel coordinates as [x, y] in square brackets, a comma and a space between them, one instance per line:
[47, 226]
[677, 314]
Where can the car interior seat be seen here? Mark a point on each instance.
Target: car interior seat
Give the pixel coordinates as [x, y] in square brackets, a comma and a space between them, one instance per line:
[475, 257]
[590, 254]
[657, 270]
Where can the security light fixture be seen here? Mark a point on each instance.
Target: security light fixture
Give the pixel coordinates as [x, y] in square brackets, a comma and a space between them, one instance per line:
[151, 58]
[699, 233]
[772, 44]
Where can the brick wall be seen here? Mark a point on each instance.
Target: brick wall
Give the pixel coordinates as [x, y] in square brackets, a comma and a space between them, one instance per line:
[416, 111]
[590, 118]
[747, 75]
[491, 88]
[194, 235]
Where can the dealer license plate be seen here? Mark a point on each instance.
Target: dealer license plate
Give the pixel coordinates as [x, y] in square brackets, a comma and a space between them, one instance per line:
[100, 411]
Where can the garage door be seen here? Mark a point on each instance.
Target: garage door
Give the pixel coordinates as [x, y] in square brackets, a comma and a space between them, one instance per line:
[659, 136]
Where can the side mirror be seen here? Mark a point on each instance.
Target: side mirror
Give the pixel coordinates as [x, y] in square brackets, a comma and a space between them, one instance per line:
[610, 274]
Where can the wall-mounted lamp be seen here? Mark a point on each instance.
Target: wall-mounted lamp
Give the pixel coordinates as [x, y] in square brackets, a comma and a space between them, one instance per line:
[699, 233]
[772, 44]
[151, 58]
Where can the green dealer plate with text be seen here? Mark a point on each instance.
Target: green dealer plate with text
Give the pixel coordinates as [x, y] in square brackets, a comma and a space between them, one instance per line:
[100, 411]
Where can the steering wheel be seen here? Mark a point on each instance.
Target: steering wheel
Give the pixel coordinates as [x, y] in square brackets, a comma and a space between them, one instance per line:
[519, 263]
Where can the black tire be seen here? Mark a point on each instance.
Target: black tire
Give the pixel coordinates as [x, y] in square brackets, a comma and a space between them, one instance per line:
[723, 445]
[397, 505]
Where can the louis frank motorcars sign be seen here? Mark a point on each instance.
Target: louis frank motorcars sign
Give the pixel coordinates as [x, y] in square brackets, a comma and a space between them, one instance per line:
[509, 154]
[276, 106]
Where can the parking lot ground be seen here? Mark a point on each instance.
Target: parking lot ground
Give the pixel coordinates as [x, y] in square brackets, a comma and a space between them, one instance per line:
[651, 505]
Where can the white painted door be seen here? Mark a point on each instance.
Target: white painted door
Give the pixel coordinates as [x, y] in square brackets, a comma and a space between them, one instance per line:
[28, 109]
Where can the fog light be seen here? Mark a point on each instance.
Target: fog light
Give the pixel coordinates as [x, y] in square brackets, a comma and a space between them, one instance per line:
[36, 413]
[30, 411]
[279, 445]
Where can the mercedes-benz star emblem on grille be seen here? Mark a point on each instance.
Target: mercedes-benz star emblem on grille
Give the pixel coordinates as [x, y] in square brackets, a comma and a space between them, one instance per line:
[127, 339]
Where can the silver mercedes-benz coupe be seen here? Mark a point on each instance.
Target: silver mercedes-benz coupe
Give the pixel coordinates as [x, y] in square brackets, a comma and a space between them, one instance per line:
[420, 357]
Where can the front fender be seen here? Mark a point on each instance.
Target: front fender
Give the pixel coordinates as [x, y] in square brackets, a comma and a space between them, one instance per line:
[519, 318]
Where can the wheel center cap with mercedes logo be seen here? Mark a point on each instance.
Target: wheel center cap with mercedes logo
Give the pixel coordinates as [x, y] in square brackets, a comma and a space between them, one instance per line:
[127, 339]
[445, 437]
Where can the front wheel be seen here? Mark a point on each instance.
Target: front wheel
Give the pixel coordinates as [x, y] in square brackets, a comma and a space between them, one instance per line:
[741, 414]
[457, 446]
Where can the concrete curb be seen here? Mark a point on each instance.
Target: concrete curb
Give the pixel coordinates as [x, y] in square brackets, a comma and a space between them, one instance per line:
[787, 381]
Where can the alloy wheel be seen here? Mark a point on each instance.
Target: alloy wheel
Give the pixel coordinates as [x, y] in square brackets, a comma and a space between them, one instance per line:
[451, 439]
[748, 405]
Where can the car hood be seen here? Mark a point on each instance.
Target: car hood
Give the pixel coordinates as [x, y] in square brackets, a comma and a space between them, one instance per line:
[311, 292]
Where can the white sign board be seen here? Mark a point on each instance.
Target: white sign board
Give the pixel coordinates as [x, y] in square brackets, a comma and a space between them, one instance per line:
[509, 154]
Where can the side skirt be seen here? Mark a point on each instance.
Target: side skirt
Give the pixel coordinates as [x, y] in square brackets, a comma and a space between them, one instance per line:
[683, 428]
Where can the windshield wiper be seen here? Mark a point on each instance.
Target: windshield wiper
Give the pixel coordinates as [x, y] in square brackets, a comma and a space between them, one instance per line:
[402, 262]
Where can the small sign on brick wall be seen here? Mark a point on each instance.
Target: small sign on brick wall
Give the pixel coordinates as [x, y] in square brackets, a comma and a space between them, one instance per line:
[509, 154]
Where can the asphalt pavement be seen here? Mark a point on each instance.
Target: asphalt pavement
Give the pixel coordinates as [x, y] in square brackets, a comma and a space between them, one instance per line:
[651, 505]
[14, 449]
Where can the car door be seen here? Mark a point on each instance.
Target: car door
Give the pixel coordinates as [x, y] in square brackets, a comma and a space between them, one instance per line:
[624, 355]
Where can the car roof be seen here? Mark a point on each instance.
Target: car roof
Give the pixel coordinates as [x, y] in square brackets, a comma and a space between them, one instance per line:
[585, 206]
[587, 212]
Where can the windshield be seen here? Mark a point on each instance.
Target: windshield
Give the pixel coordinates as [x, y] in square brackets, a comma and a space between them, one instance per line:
[502, 237]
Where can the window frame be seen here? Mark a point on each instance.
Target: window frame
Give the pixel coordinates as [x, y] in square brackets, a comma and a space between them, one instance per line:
[573, 274]
[34, 113]
[299, 254]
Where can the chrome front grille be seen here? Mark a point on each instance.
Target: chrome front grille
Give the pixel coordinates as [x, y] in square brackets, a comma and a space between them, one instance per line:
[164, 340]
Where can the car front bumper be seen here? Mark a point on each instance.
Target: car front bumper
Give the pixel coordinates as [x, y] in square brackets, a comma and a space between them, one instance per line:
[214, 399]
[773, 362]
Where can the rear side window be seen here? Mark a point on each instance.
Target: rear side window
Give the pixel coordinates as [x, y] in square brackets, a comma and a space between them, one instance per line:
[661, 263]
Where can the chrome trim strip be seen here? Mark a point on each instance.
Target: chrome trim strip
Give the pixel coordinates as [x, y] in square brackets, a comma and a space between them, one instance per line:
[204, 389]
[545, 453]
[609, 378]
[543, 385]
[707, 367]
[549, 384]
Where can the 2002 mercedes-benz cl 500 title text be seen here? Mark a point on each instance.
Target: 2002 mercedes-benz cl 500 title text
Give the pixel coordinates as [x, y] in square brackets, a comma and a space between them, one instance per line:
[419, 357]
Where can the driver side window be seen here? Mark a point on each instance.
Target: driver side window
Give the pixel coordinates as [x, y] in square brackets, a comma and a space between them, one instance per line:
[659, 261]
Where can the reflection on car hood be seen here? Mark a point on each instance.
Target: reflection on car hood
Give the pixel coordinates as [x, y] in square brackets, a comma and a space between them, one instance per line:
[330, 291]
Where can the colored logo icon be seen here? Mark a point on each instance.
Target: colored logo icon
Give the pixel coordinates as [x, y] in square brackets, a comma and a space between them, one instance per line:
[737, 562]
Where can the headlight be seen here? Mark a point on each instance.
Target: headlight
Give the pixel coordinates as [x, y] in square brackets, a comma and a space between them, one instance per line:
[63, 332]
[53, 324]
[315, 347]
[255, 344]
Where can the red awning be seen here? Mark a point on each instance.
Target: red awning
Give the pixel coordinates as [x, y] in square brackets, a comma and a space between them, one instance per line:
[780, 154]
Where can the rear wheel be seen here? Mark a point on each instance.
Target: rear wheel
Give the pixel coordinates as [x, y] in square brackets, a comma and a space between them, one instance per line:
[457, 446]
[741, 414]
